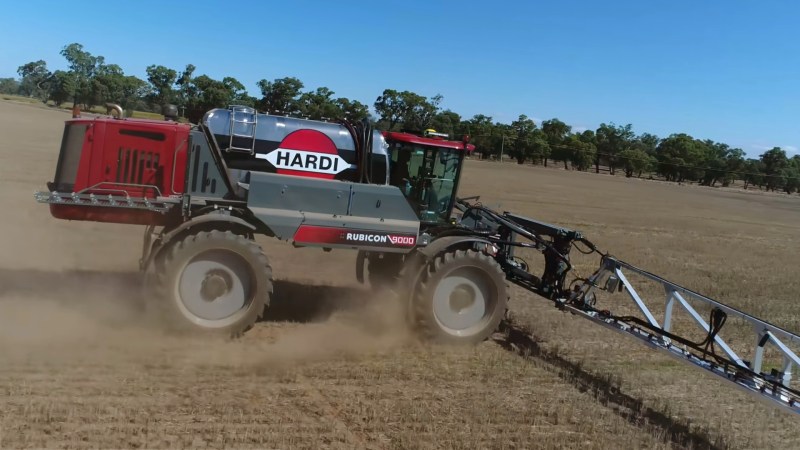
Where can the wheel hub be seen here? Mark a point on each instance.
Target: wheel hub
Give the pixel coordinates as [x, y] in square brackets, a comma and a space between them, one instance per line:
[461, 298]
[215, 285]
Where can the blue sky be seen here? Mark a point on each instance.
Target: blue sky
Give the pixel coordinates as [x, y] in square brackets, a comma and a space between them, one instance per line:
[722, 70]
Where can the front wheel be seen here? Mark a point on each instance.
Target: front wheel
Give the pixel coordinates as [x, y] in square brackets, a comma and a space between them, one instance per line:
[214, 282]
[461, 298]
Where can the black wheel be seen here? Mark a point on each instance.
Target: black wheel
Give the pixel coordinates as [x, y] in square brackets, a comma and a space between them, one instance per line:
[212, 281]
[460, 298]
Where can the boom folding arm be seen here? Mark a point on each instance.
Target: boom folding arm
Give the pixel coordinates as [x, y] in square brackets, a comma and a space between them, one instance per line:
[713, 354]
[749, 375]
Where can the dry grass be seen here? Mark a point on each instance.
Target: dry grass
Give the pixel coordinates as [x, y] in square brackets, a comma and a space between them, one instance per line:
[333, 368]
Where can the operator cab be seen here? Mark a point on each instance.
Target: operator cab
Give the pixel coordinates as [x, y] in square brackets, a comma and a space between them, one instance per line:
[427, 171]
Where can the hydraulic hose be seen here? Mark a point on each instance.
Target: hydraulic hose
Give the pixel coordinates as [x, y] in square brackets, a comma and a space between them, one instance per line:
[361, 133]
[522, 231]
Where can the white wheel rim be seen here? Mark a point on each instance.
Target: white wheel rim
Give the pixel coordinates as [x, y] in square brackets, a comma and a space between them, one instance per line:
[464, 301]
[215, 288]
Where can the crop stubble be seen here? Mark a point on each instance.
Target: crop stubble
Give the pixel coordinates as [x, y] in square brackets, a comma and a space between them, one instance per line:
[335, 368]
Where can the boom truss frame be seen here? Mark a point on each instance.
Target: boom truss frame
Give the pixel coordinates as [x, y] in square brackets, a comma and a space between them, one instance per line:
[773, 387]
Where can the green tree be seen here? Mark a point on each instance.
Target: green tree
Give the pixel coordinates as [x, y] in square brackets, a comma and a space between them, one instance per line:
[501, 138]
[610, 140]
[647, 143]
[204, 93]
[539, 147]
[527, 143]
[352, 110]
[406, 110]
[774, 162]
[83, 65]
[186, 90]
[391, 108]
[556, 132]
[9, 86]
[211, 93]
[238, 93]
[319, 105]
[679, 157]
[198, 95]
[715, 162]
[792, 175]
[582, 150]
[634, 161]
[420, 111]
[161, 79]
[34, 79]
[62, 87]
[130, 92]
[753, 173]
[280, 96]
[734, 163]
[487, 137]
[447, 122]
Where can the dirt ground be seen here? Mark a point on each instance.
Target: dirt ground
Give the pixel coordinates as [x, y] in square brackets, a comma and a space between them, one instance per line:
[333, 367]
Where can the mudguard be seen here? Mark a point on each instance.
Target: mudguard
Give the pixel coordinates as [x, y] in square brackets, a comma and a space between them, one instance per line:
[439, 245]
[423, 255]
[153, 247]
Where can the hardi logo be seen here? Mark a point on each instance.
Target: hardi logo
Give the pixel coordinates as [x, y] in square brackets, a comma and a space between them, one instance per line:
[307, 153]
[306, 161]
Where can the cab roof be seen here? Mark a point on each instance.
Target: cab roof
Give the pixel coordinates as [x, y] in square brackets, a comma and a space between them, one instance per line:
[430, 142]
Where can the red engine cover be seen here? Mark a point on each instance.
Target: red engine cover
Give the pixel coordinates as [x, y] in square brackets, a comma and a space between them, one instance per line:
[125, 153]
[138, 158]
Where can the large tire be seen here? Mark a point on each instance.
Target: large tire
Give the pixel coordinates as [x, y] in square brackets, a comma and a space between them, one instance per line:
[461, 298]
[213, 282]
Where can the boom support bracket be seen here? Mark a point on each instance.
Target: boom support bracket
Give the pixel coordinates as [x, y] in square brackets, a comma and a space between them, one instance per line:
[773, 360]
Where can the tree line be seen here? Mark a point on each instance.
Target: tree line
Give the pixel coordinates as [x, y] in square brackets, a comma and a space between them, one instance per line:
[90, 81]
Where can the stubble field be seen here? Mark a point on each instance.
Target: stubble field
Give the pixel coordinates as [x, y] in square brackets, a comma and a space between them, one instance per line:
[334, 367]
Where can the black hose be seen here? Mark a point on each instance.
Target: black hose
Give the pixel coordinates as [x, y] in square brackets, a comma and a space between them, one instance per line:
[522, 231]
[586, 242]
[361, 133]
[366, 141]
[716, 320]
[356, 145]
[706, 346]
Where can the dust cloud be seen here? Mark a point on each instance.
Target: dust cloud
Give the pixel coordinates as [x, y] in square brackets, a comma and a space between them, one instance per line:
[90, 318]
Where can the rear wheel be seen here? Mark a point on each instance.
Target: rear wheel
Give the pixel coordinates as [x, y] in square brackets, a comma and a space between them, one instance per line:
[214, 282]
[461, 298]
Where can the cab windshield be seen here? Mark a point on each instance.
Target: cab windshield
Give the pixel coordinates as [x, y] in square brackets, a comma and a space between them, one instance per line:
[428, 178]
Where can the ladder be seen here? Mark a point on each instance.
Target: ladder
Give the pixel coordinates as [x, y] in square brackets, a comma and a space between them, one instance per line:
[244, 121]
